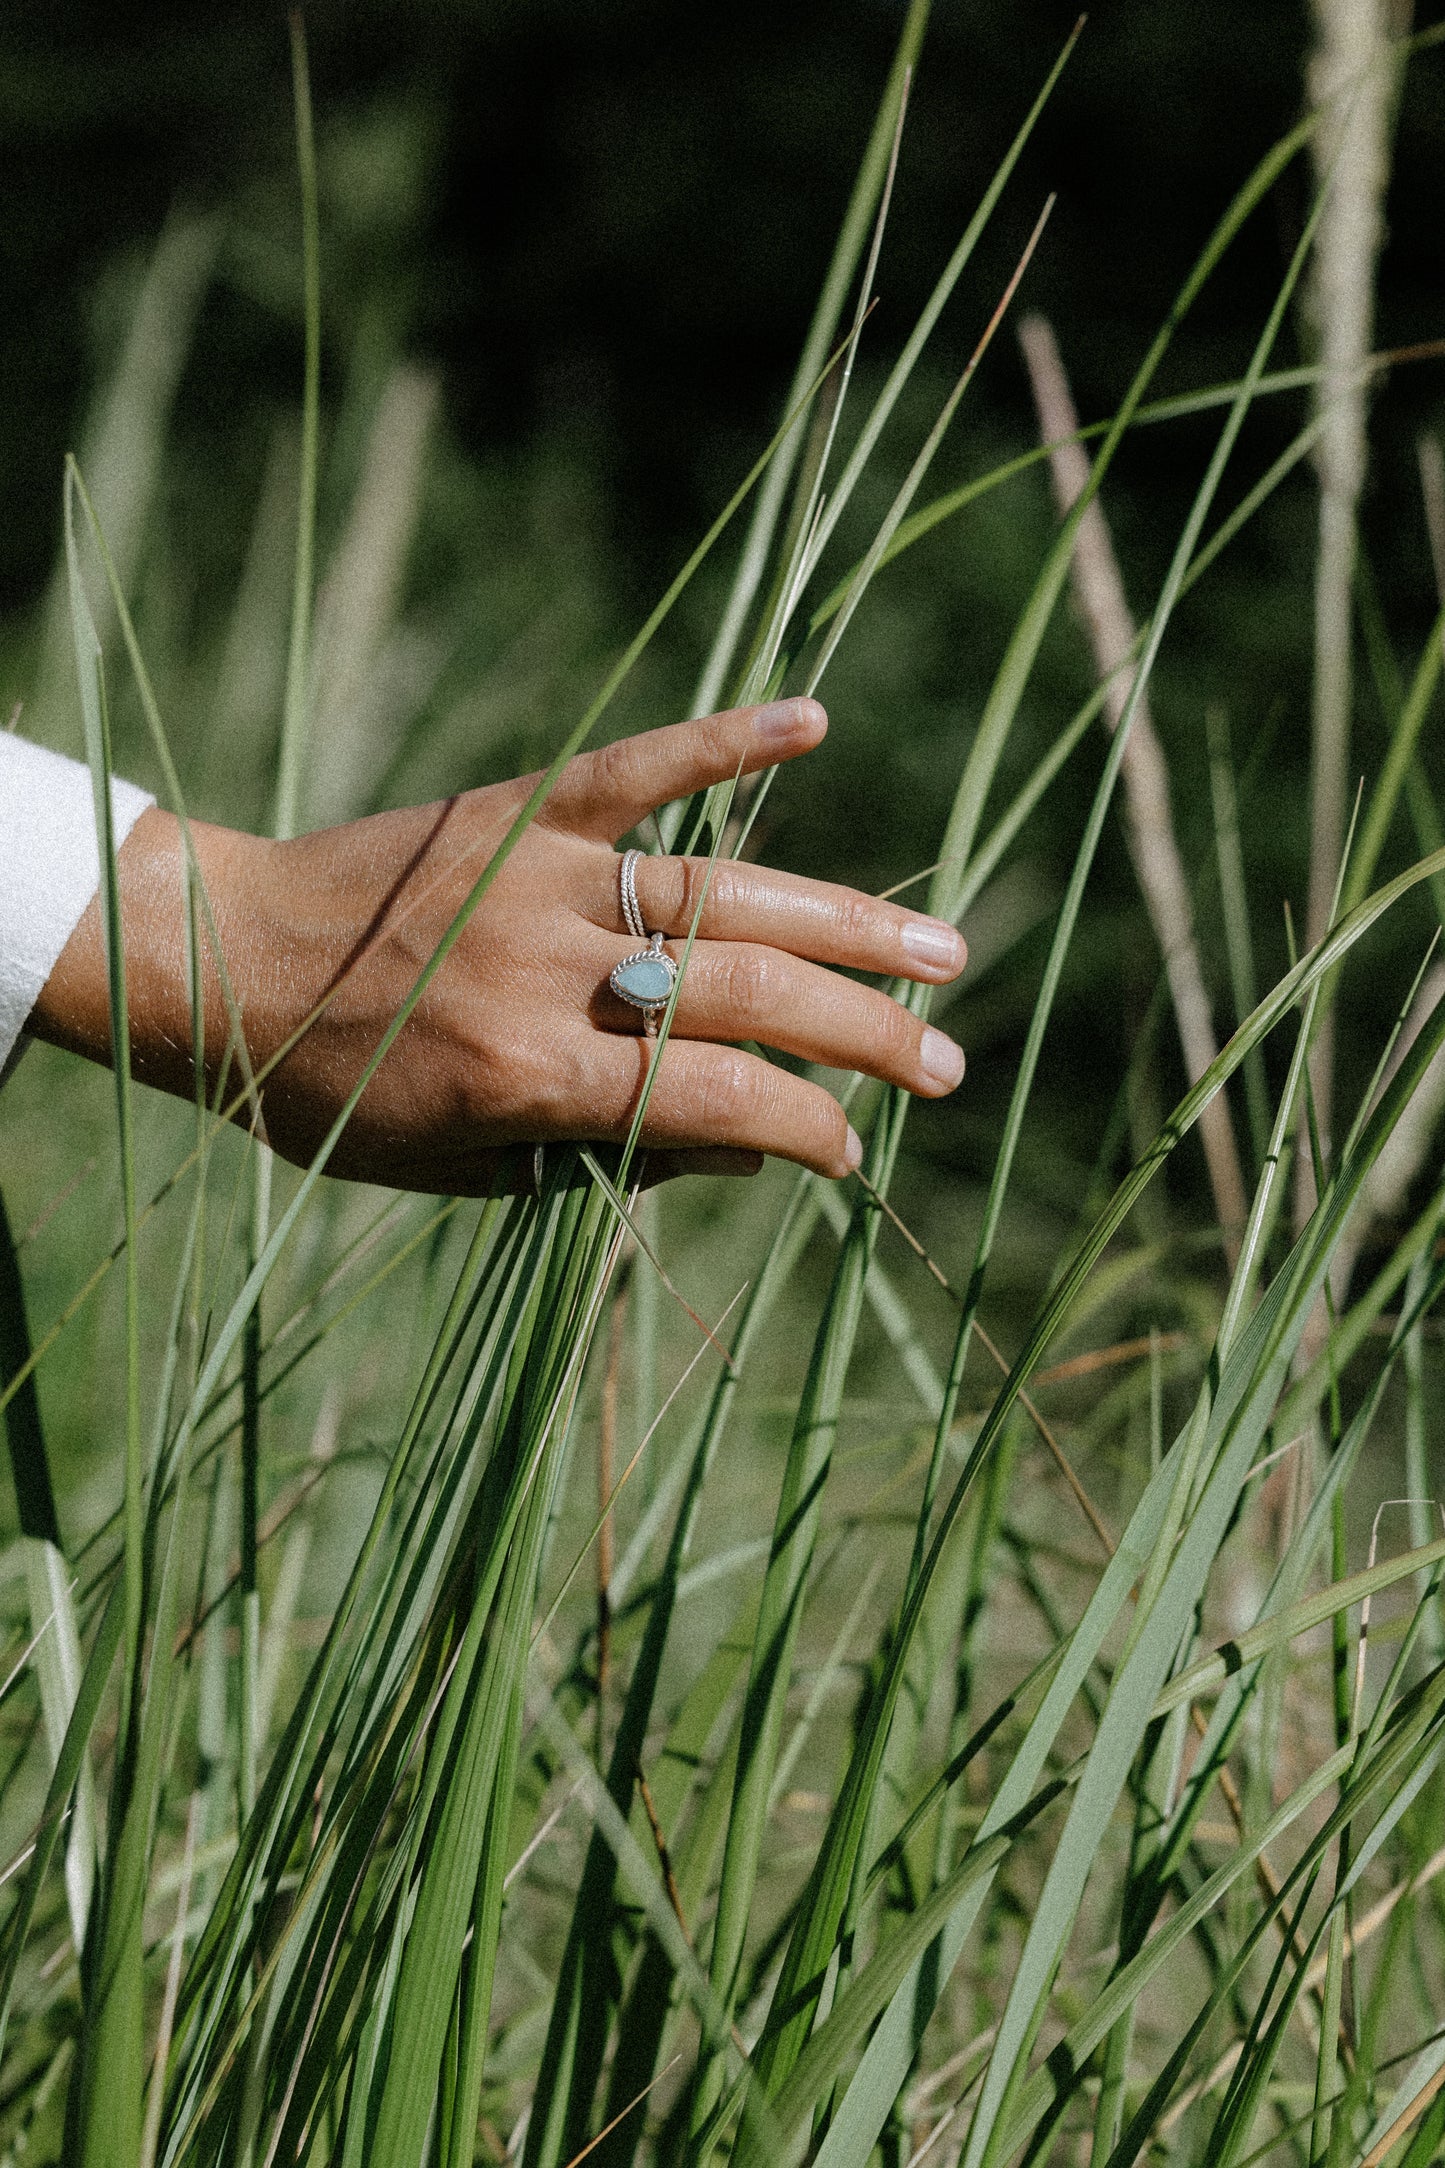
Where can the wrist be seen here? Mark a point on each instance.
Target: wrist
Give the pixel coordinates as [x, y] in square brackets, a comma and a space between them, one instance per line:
[73, 1010]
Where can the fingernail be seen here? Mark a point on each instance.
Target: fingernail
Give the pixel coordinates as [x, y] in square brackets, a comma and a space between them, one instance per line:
[852, 1150]
[940, 1058]
[783, 719]
[931, 941]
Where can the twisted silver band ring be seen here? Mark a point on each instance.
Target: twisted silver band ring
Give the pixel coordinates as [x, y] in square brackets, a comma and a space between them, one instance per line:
[632, 917]
[644, 979]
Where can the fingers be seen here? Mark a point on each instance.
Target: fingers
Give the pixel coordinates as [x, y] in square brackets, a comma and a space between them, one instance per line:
[715, 1095]
[604, 794]
[831, 924]
[733, 990]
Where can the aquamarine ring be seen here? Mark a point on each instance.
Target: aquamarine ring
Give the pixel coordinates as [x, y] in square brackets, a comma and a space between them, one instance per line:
[644, 979]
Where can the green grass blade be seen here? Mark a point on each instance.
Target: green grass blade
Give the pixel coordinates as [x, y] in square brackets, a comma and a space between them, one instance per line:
[948, 279]
[1157, 1636]
[784, 1589]
[1234, 901]
[645, 1884]
[53, 1621]
[1404, 737]
[809, 1951]
[1408, 1751]
[879, 1980]
[1017, 666]
[1123, 1989]
[1283, 1626]
[432, 1957]
[111, 2072]
[572, 2061]
[929, 516]
[848, 249]
[25, 1436]
[63, 1778]
[885, 2062]
[97, 742]
[296, 710]
[893, 518]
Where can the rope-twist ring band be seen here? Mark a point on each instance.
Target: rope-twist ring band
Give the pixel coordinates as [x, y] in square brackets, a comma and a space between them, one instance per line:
[644, 979]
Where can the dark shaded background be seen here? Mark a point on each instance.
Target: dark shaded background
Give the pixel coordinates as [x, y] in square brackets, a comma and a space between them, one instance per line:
[605, 227]
[611, 220]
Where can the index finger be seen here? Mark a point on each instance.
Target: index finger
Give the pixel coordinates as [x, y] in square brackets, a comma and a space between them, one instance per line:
[604, 794]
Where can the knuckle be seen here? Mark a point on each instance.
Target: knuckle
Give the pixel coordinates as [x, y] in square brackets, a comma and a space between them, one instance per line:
[859, 917]
[529, 1078]
[749, 977]
[898, 1031]
[719, 734]
[728, 1094]
[691, 882]
[729, 892]
[612, 769]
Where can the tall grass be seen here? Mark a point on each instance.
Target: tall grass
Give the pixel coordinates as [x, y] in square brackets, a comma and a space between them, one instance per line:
[911, 1814]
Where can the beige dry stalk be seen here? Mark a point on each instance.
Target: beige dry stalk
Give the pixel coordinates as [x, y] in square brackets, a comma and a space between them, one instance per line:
[1153, 846]
[1388, 1183]
[367, 675]
[1349, 82]
[1387, 1186]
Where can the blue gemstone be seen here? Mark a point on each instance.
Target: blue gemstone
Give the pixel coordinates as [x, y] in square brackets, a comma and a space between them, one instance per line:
[646, 981]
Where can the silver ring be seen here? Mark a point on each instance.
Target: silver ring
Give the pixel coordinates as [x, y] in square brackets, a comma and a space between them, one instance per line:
[632, 917]
[644, 980]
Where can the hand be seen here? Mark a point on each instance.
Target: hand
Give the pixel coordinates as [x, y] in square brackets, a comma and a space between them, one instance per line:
[519, 1039]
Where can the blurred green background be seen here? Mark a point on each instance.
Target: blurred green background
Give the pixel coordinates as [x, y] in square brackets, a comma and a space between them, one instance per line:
[568, 257]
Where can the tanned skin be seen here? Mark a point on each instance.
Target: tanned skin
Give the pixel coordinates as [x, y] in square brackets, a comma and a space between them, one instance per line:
[518, 1039]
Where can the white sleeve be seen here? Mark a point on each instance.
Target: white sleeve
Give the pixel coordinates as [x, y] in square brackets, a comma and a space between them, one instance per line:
[49, 867]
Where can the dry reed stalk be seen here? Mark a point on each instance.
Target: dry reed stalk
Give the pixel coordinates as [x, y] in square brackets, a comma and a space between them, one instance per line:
[1407, 2117]
[1388, 1183]
[1149, 823]
[124, 441]
[362, 675]
[1348, 82]
[1389, 1180]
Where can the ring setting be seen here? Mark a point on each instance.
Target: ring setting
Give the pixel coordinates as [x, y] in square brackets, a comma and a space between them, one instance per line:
[644, 980]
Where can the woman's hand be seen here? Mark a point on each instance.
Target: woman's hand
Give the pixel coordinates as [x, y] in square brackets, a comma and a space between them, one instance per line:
[519, 1038]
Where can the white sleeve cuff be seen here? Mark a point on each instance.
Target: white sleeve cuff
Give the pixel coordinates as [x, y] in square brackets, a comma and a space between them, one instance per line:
[49, 867]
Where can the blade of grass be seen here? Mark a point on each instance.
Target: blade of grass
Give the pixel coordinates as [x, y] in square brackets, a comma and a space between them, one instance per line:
[1157, 1635]
[883, 2068]
[893, 519]
[296, 709]
[1234, 902]
[810, 1948]
[848, 249]
[577, 2033]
